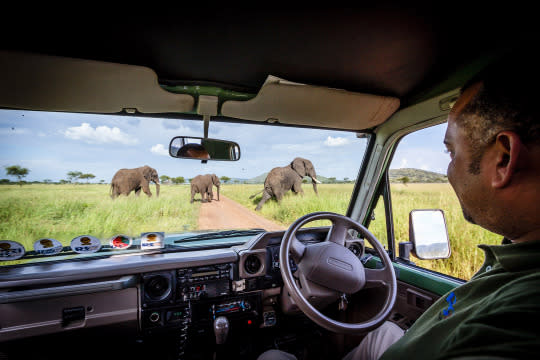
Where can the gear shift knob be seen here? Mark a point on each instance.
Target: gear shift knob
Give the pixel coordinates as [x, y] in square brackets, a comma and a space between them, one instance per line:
[221, 329]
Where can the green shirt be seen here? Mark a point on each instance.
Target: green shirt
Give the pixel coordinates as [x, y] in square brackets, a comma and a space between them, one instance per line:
[495, 314]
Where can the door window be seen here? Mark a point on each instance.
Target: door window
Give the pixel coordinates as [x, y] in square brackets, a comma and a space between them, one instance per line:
[418, 181]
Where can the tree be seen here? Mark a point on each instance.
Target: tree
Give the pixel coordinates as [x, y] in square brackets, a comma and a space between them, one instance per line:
[404, 180]
[47, 181]
[87, 176]
[332, 180]
[64, 181]
[101, 181]
[17, 171]
[178, 180]
[164, 178]
[74, 175]
[225, 178]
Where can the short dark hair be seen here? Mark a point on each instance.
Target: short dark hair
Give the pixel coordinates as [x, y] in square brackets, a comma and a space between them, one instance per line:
[506, 100]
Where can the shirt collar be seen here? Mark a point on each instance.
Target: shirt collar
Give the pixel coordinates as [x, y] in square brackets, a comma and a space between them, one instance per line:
[515, 256]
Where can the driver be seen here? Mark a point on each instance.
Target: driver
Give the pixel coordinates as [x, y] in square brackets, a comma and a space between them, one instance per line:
[194, 151]
[493, 138]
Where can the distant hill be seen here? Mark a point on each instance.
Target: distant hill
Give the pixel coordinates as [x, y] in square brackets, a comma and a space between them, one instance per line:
[416, 176]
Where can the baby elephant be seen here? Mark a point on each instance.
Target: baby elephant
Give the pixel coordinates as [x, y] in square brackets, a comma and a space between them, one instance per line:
[203, 184]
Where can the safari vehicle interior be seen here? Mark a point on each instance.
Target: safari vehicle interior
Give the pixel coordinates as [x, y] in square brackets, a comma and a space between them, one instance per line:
[380, 72]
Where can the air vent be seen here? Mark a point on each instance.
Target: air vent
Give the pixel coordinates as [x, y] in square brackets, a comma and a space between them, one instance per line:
[157, 287]
[252, 264]
[356, 249]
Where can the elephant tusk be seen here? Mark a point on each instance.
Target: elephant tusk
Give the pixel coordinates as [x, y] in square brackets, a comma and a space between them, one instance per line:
[317, 181]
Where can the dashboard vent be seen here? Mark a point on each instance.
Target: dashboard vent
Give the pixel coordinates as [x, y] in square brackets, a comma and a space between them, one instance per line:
[356, 249]
[252, 264]
[157, 287]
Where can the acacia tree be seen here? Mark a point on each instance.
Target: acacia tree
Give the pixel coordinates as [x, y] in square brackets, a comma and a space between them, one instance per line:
[178, 180]
[87, 176]
[17, 171]
[164, 178]
[74, 175]
[404, 180]
[225, 178]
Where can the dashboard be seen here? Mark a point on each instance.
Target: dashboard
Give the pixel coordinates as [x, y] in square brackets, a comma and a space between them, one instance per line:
[180, 292]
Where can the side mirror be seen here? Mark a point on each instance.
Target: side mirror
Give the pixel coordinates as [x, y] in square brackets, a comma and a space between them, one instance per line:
[197, 148]
[428, 234]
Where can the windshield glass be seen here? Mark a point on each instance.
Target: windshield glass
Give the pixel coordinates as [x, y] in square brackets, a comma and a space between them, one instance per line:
[63, 192]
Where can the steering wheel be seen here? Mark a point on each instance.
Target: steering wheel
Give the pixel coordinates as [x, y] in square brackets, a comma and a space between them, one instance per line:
[329, 270]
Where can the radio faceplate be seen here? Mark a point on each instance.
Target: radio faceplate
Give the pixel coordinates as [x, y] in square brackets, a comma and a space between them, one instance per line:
[203, 282]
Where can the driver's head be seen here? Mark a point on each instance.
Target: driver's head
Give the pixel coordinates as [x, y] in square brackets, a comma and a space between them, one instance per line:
[193, 150]
[493, 140]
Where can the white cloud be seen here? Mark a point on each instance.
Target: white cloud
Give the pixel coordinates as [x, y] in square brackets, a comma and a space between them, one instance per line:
[99, 135]
[336, 141]
[403, 163]
[160, 150]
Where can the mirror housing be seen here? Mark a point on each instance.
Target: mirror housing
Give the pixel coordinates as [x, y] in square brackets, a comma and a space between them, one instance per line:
[188, 147]
[428, 234]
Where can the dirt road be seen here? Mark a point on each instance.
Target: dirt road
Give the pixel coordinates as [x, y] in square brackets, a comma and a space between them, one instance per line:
[228, 214]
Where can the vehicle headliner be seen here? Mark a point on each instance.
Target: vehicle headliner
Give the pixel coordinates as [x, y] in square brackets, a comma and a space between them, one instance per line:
[406, 51]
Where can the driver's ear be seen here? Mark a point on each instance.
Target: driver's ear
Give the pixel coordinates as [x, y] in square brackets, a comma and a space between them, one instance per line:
[508, 156]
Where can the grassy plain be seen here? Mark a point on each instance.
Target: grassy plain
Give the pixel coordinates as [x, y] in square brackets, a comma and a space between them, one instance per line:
[63, 212]
[466, 257]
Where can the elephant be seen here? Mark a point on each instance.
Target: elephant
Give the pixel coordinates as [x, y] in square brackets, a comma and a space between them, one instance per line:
[127, 180]
[203, 184]
[282, 179]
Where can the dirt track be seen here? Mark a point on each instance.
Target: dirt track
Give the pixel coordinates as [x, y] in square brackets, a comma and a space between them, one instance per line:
[228, 214]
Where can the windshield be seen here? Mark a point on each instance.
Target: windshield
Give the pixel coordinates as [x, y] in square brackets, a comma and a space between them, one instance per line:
[80, 185]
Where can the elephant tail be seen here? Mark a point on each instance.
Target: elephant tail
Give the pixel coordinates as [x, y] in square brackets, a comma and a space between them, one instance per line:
[257, 193]
[111, 191]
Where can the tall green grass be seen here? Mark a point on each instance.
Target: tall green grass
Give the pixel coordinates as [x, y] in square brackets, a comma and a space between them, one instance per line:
[64, 212]
[466, 257]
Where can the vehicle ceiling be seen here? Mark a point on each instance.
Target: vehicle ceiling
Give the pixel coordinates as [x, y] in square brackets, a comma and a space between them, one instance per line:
[400, 51]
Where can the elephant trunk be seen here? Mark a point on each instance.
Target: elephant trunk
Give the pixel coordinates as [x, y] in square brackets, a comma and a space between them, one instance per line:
[217, 193]
[157, 187]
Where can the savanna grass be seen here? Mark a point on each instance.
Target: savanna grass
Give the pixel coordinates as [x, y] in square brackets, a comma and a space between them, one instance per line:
[63, 212]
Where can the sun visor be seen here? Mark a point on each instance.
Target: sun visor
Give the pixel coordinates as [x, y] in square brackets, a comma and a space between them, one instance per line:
[74, 85]
[285, 102]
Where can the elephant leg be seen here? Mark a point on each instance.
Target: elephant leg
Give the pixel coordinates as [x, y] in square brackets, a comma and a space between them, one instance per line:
[192, 195]
[137, 191]
[266, 196]
[146, 189]
[297, 189]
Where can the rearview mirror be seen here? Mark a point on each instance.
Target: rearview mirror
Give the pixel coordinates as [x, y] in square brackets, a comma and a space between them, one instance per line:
[428, 233]
[203, 149]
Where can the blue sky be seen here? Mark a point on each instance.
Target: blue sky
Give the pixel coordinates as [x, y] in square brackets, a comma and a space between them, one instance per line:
[51, 144]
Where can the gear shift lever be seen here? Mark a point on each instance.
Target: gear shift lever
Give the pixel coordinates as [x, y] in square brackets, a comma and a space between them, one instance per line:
[221, 329]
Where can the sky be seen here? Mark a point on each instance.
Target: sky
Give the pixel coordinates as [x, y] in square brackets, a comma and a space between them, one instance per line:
[52, 144]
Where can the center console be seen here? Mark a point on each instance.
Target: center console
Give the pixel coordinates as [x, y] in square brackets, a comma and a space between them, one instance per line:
[188, 301]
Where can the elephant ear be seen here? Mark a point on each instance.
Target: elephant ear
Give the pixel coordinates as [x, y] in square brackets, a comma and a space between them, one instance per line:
[147, 172]
[298, 166]
[215, 179]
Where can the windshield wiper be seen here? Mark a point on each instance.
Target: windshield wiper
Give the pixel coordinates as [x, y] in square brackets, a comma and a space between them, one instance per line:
[220, 235]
